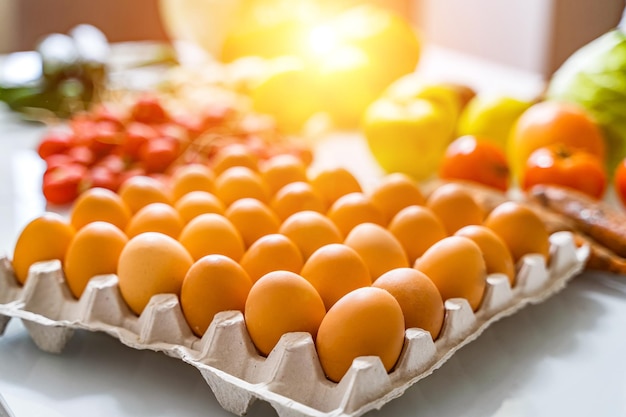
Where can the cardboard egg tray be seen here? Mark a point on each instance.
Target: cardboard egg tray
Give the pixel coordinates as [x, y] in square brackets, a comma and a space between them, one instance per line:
[290, 378]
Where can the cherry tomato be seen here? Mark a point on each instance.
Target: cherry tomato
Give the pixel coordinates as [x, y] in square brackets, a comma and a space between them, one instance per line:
[58, 159]
[107, 136]
[619, 181]
[103, 113]
[82, 155]
[102, 177]
[159, 153]
[55, 142]
[472, 159]
[114, 163]
[61, 185]
[561, 165]
[136, 135]
[148, 109]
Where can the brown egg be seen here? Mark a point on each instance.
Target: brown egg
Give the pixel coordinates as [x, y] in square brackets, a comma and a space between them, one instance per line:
[498, 258]
[457, 267]
[151, 263]
[352, 209]
[281, 302]
[335, 270]
[417, 228]
[44, 238]
[270, 253]
[395, 192]
[520, 228]
[379, 249]
[365, 322]
[419, 298]
[253, 219]
[214, 283]
[212, 233]
[455, 207]
[94, 250]
[310, 230]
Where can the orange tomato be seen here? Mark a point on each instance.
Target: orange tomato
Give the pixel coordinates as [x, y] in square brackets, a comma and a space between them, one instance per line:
[568, 167]
[471, 159]
[550, 122]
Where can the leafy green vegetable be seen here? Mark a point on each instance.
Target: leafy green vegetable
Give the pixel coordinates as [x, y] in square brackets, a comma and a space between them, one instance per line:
[595, 78]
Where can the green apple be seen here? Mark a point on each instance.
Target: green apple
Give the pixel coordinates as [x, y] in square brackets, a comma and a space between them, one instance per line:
[413, 86]
[408, 136]
[491, 116]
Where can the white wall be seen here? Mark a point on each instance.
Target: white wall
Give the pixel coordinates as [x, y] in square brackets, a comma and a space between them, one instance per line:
[533, 35]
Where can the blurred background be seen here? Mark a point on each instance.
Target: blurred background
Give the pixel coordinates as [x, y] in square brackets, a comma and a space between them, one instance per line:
[533, 35]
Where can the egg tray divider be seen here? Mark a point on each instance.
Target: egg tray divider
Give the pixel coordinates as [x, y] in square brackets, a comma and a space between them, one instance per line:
[290, 378]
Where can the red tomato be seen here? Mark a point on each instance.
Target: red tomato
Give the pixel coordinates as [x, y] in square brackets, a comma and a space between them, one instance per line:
[82, 155]
[471, 159]
[55, 142]
[560, 165]
[103, 113]
[159, 153]
[136, 135]
[61, 185]
[102, 177]
[106, 138]
[114, 163]
[57, 160]
[148, 109]
[619, 181]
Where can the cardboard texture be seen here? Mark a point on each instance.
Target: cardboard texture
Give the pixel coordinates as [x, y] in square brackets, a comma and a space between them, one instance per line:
[291, 378]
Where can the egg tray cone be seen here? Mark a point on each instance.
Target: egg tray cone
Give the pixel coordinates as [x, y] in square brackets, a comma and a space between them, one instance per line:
[290, 378]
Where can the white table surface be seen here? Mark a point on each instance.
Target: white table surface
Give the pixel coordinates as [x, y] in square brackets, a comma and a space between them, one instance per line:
[564, 357]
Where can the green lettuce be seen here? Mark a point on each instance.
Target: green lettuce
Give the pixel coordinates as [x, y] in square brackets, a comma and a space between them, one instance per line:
[595, 78]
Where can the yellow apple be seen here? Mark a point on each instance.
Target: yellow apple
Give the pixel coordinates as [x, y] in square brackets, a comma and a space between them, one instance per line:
[289, 93]
[408, 136]
[491, 116]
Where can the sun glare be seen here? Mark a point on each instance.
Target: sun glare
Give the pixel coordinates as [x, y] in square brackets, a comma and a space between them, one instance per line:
[322, 39]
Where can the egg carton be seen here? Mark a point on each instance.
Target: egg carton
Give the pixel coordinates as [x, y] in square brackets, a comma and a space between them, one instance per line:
[290, 378]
